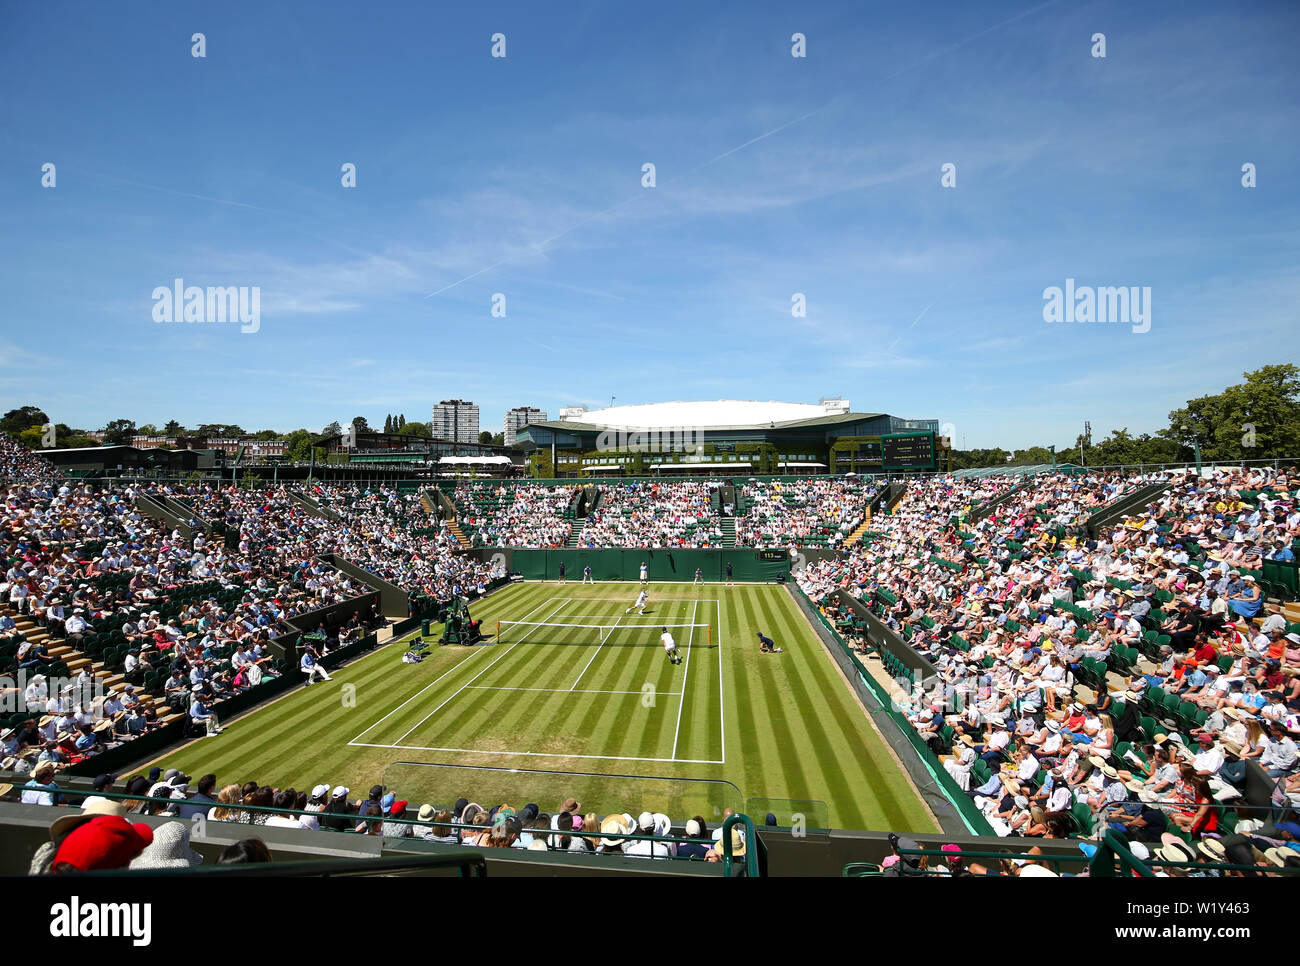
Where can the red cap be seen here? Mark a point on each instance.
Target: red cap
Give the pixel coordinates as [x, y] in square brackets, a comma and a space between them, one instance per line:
[105, 842]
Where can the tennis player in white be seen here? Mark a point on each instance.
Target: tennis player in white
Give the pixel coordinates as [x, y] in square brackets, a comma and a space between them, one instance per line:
[641, 600]
[670, 646]
[645, 572]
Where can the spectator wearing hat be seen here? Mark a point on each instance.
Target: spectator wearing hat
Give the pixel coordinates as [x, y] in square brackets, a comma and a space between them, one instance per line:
[310, 665]
[1174, 849]
[651, 823]
[170, 849]
[339, 811]
[102, 843]
[436, 826]
[41, 789]
[612, 830]
[61, 826]
[695, 829]
[201, 715]
[393, 829]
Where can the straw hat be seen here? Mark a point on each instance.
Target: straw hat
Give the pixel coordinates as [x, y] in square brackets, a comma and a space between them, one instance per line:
[90, 808]
[737, 841]
[613, 825]
[1279, 854]
[1174, 849]
[1212, 849]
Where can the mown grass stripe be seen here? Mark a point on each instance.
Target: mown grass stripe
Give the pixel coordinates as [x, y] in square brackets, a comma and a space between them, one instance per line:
[793, 728]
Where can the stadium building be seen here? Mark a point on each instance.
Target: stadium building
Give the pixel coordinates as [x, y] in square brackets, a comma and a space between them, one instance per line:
[731, 436]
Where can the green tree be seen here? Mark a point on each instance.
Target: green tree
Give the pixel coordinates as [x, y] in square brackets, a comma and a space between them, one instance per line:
[298, 445]
[173, 428]
[16, 420]
[119, 432]
[414, 429]
[148, 429]
[1256, 419]
[32, 438]
[333, 429]
[485, 437]
[1031, 456]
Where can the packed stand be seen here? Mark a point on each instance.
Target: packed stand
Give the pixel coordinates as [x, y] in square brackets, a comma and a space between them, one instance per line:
[1081, 684]
[18, 464]
[818, 512]
[674, 514]
[516, 515]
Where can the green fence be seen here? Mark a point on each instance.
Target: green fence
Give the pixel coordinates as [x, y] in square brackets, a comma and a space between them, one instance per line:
[748, 566]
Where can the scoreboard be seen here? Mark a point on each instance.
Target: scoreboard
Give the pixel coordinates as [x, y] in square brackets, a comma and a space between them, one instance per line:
[908, 451]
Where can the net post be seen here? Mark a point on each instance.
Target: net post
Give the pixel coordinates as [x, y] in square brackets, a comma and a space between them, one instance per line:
[498, 637]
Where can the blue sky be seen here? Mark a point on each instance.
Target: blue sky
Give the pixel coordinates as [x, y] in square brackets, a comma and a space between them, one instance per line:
[522, 176]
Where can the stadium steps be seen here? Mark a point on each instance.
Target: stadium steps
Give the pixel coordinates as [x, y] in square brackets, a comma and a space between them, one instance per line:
[427, 503]
[312, 507]
[856, 535]
[58, 647]
[895, 494]
[577, 531]
[988, 506]
[1126, 505]
[461, 539]
[728, 531]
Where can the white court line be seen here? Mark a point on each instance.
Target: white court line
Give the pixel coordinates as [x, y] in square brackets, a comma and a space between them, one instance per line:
[686, 673]
[449, 670]
[597, 651]
[543, 754]
[489, 687]
[722, 691]
[473, 679]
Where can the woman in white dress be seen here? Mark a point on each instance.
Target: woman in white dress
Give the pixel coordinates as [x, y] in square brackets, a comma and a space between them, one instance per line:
[960, 764]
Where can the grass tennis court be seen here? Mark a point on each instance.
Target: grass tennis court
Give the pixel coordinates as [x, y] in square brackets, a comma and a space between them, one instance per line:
[578, 697]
